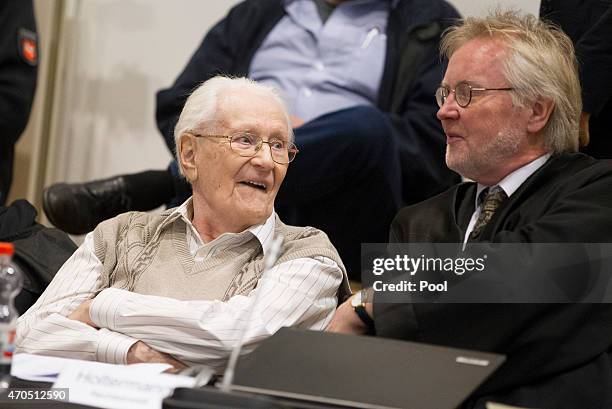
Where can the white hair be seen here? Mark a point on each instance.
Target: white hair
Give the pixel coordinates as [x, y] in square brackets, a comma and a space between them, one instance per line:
[201, 106]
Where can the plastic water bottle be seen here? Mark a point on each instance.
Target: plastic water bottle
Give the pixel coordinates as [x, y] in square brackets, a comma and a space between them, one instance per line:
[11, 282]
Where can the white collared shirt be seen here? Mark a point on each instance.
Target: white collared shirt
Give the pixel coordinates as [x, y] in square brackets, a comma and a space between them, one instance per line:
[509, 185]
[301, 292]
[200, 250]
[320, 67]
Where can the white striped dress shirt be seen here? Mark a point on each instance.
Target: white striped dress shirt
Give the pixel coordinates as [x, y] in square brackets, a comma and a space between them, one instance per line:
[301, 292]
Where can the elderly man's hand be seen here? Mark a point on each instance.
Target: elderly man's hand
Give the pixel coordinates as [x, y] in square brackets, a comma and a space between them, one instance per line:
[142, 353]
[347, 321]
[138, 352]
[82, 314]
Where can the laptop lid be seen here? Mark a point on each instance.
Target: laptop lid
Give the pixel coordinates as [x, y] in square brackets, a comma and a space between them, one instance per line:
[364, 372]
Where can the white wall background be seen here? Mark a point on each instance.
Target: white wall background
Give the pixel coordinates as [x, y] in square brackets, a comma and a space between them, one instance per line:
[481, 7]
[115, 54]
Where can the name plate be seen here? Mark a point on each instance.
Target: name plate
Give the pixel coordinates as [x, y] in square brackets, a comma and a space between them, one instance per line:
[117, 386]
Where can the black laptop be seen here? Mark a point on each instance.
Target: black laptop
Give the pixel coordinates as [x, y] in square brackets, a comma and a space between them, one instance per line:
[298, 368]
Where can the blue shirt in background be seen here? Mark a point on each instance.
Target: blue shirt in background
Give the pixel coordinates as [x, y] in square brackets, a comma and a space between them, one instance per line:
[324, 67]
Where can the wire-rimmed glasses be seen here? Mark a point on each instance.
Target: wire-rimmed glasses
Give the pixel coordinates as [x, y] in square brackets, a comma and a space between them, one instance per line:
[248, 144]
[463, 93]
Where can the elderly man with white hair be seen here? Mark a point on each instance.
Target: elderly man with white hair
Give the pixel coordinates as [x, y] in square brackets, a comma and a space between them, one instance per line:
[177, 287]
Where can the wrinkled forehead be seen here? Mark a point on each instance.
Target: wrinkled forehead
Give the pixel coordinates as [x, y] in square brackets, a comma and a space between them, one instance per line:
[252, 111]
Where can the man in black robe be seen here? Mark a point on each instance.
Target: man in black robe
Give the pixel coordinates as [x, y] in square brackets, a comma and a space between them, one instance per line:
[510, 107]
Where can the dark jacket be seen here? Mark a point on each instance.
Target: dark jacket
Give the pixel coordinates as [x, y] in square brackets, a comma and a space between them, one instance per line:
[411, 75]
[589, 25]
[17, 81]
[39, 251]
[558, 355]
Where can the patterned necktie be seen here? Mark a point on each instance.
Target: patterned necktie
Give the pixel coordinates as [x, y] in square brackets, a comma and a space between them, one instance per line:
[493, 198]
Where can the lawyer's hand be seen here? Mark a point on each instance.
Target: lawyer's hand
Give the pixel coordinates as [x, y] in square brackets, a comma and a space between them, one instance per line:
[347, 321]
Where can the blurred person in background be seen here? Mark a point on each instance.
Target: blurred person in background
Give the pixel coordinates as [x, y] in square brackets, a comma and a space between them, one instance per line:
[589, 25]
[18, 69]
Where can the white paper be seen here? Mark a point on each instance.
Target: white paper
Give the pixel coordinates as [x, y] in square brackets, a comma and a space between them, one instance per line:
[47, 368]
[118, 386]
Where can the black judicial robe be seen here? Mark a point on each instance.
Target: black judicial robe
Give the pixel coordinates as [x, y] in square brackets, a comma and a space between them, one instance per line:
[558, 355]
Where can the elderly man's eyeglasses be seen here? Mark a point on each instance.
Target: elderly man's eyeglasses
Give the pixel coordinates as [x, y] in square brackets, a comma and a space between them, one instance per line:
[463, 93]
[247, 144]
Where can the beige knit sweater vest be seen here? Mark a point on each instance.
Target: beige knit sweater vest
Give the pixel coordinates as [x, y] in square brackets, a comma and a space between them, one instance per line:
[148, 254]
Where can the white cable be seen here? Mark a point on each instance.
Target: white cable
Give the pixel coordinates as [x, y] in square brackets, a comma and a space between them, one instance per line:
[269, 260]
